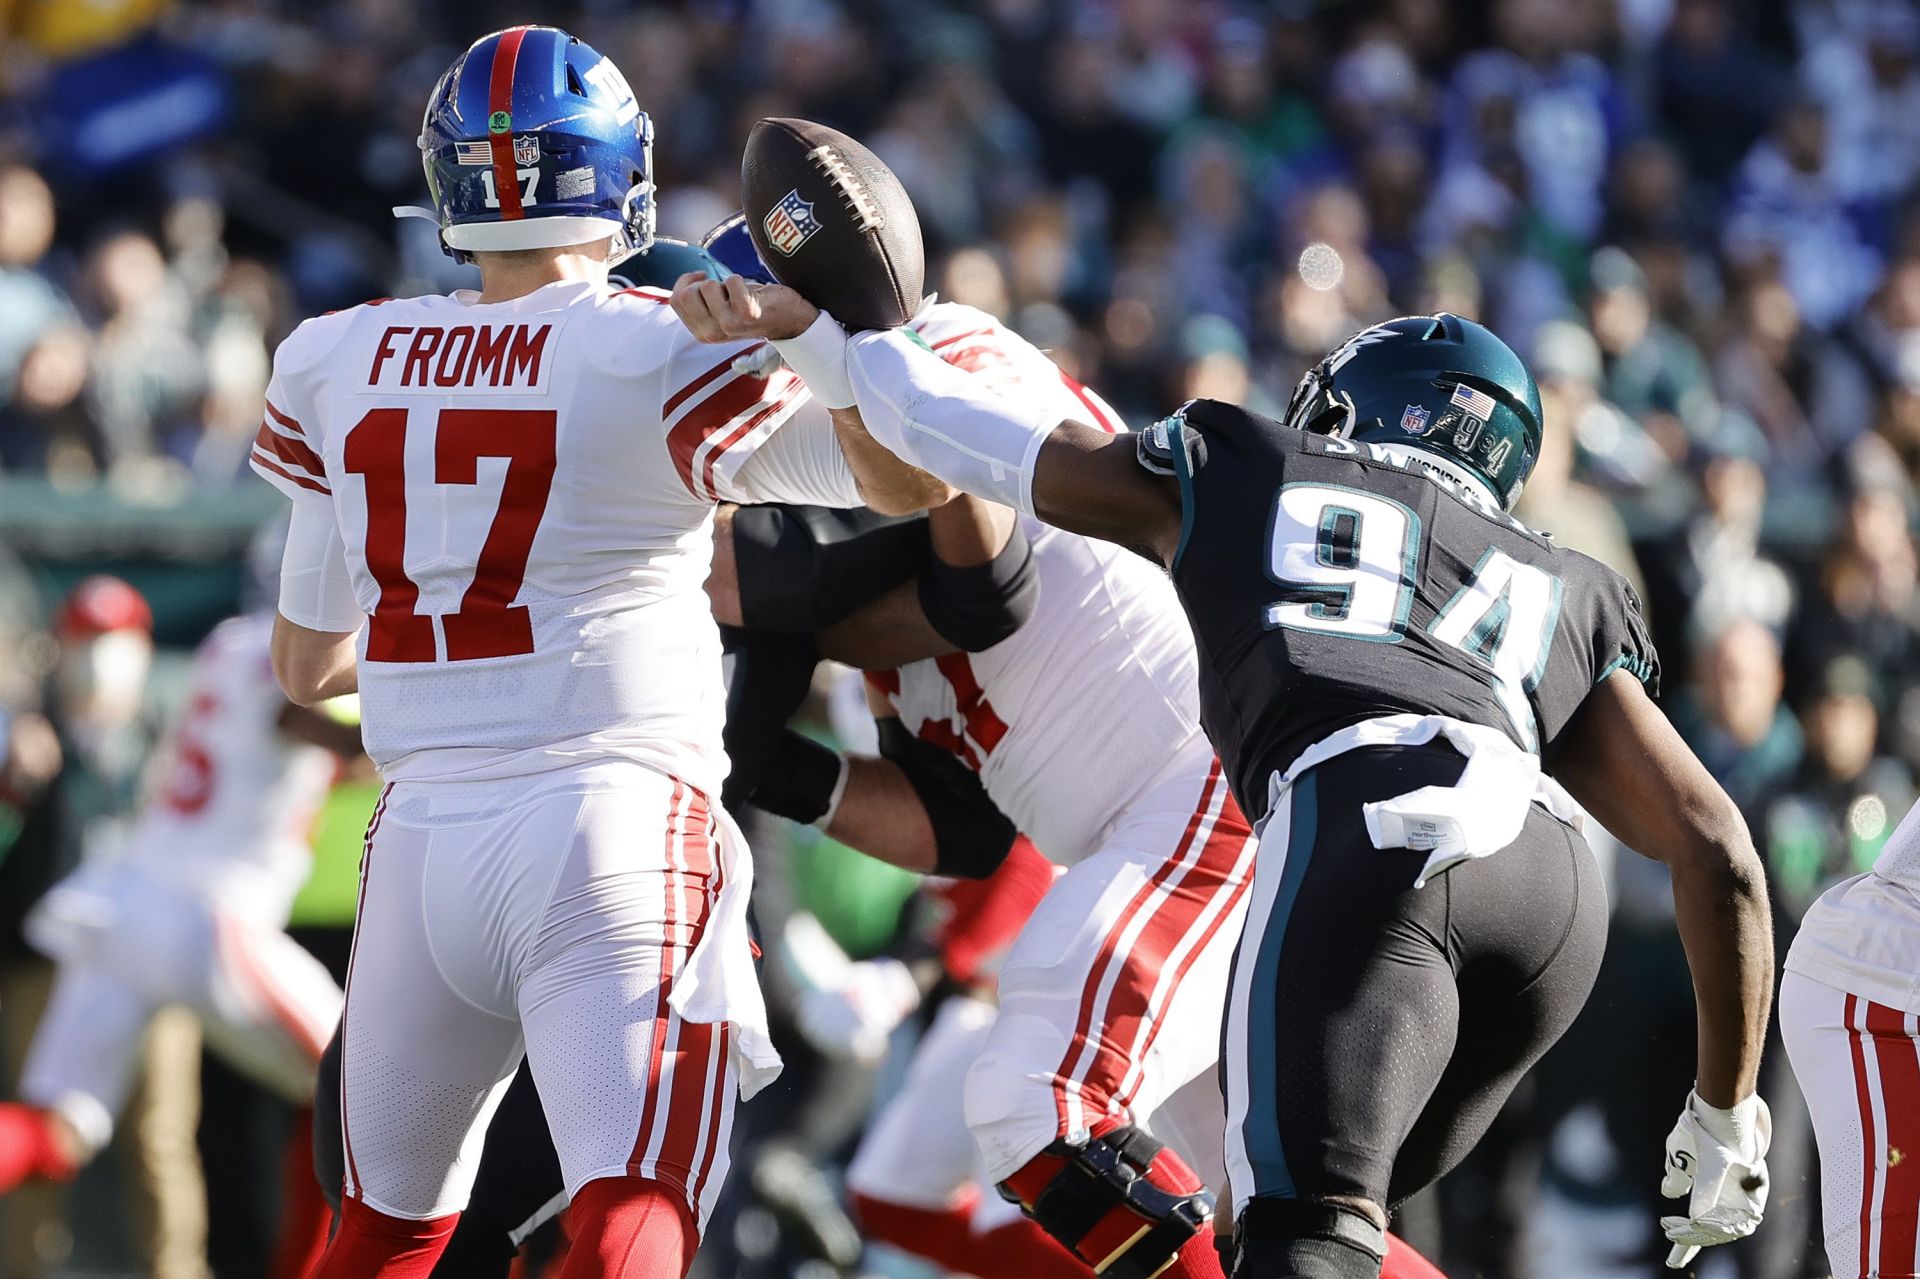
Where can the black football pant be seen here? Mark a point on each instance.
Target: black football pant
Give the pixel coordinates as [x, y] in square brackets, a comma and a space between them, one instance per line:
[1375, 1029]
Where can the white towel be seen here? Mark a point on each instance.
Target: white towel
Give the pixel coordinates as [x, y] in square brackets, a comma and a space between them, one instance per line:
[718, 982]
[1477, 816]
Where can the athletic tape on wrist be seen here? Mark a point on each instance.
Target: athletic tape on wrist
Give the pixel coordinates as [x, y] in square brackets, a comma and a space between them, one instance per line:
[819, 356]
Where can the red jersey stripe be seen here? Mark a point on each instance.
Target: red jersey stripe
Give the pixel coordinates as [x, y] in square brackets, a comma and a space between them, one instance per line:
[291, 451]
[746, 428]
[506, 55]
[284, 420]
[944, 343]
[694, 387]
[1098, 415]
[266, 463]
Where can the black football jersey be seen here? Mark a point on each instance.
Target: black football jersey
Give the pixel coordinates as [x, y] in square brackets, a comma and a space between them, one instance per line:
[1330, 582]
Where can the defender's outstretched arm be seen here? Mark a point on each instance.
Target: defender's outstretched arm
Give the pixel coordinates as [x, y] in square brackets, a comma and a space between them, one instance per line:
[1071, 475]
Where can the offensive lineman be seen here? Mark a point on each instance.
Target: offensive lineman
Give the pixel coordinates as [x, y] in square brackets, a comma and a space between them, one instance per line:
[1850, 1017]
[1387, 659]
[502, 504]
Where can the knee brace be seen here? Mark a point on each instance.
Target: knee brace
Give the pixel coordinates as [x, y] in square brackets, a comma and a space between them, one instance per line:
[1123, 1203]
[1306, 1239]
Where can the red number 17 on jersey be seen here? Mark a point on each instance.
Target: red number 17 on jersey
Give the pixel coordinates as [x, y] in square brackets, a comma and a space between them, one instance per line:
[488, 623]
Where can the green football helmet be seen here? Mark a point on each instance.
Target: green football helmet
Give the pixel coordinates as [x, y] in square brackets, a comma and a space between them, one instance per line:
[1436, 383]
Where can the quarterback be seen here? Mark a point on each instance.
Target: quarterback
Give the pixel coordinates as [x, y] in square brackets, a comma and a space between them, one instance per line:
[502, 513]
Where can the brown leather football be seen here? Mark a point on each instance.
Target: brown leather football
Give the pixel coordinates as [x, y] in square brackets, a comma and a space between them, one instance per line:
[833, 223]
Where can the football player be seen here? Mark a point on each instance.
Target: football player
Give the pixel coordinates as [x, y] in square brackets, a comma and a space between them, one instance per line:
[192, 913]
[1850, 1016]
[502, 510]
[1079, 727]
[1388, 662]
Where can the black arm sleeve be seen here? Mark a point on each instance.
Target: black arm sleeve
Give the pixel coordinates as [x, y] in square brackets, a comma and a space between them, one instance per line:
[975, 608]
[768, 677]
[803, 568]
[971, 836]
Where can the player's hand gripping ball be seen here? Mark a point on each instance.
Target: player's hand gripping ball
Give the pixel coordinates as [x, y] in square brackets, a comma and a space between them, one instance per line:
[833, 222]
[737, 308]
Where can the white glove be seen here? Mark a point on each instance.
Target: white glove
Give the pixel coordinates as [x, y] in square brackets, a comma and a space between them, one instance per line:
[856, 1017]
[1718, 1160]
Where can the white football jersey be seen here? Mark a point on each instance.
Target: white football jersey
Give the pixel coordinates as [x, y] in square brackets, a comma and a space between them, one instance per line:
[233, 797]
[525, 491]
[1863, 935]
[1069, 719]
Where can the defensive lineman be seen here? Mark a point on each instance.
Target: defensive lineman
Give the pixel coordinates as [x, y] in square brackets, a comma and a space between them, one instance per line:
[1386, 660]
[502, 513]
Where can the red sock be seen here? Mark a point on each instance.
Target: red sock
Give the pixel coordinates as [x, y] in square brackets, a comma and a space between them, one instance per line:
[946, 1237]
[629, 1228]
[1404, 1263]
[369, 1242]
[28, 1148]
[304, 1214]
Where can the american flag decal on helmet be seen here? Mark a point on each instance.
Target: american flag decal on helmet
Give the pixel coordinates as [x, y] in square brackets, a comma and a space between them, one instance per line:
[478, 152]
[1473, 403]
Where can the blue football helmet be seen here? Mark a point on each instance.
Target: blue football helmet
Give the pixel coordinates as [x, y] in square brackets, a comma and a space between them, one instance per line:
[532, 140]
[732, 246]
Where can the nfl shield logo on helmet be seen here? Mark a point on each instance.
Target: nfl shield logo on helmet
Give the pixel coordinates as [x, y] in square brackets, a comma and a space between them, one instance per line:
[1414, 419]
[526, 151]
[790, 223]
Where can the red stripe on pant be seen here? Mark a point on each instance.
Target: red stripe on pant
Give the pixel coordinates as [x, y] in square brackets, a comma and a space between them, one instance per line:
[1898, 1056]
[1229, 849]
[676, 1117]
[1115, 1019]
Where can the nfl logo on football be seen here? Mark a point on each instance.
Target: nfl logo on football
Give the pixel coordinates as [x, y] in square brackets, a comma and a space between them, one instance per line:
[790, 223]
[1413, 419]
[526, 152]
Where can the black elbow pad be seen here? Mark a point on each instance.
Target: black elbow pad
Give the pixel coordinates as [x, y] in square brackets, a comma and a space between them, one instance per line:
[976, 607]
[803, 568]
[971, 837]
[769, 675]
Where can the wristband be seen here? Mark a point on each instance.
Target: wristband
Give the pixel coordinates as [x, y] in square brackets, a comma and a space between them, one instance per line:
[804, 781]
[819, 356]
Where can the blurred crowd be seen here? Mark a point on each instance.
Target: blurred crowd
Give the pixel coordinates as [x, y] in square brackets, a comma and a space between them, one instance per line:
[1698, 219]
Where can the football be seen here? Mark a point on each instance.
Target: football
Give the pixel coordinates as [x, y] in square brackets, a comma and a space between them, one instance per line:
[833, 223]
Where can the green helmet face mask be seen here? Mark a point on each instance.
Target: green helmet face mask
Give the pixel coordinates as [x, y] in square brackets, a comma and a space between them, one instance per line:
[1435, 383]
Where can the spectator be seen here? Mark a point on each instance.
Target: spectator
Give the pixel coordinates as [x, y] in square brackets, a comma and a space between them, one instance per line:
[30, 303]
[1789, 208]
[1733, 716]
[1807, 398]
[1653, 372]
[1710, 74]
[1848, 795]
[147, 371]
